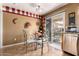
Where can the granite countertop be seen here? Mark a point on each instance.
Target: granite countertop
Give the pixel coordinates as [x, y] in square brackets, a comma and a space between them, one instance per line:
[70, 32]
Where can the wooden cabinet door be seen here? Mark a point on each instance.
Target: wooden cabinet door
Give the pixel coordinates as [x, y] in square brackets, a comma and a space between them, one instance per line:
[74, 44]
[67, 43]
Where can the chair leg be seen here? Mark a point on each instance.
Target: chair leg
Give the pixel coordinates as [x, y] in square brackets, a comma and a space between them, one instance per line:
[48, 46]
[42, 48]
[26, 47]
[36, 46]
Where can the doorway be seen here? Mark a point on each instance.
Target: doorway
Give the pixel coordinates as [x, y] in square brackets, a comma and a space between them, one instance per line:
[48, 29]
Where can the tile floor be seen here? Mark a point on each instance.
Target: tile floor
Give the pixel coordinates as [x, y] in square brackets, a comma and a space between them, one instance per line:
[21, 51]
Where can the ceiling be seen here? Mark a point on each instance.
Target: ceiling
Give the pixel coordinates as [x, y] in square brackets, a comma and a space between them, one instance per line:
[31, 7]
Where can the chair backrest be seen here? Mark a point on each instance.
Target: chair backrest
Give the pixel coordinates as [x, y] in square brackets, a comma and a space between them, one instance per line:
[24, 33]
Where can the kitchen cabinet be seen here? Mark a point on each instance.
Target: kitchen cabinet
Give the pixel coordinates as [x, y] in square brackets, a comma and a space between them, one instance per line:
[71, 43]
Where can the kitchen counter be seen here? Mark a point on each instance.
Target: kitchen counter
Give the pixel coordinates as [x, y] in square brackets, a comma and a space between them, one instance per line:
[71, 42]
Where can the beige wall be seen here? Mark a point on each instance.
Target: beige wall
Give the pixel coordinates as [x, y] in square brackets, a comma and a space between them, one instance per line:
[68, 9]
[12, 31]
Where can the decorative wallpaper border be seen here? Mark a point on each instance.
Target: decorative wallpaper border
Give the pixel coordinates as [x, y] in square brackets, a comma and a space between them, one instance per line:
[20, 12]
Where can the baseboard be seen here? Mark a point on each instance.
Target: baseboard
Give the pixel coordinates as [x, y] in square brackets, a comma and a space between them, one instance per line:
[13, 44]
